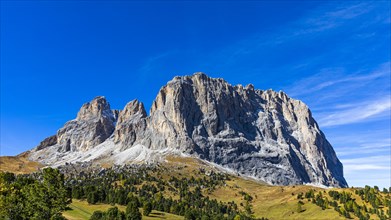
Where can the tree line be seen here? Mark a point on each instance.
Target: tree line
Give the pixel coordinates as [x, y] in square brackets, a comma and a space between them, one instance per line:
[375, 202]
[138, 188]
[46, 194]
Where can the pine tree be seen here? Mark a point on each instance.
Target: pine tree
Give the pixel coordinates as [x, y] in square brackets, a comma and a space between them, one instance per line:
[132, 211]
[147, 208]
[189, 215]
[111, 213]
[48, 198]
[97, 215]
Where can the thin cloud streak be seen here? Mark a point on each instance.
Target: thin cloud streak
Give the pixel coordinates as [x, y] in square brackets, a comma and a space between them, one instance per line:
[370, 160]
[323, 19]
[354, 167]
[366, 163]
[373, 170]
[377, 142]
[367, 147]
[362, 112]
[151, 62]
[330, 89]
[386, 143]
[330, 77]
[344, 152]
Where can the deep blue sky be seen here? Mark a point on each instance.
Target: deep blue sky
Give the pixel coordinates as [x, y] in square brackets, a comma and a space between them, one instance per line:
[57, 55]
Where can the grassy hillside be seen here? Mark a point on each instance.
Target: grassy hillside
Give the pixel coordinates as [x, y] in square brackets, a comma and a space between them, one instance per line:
[252, 197]
[81, 210]
[18, 164]
[273, 202]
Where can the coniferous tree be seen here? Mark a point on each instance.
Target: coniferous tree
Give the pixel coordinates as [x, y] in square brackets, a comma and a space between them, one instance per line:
[97, 215]
[48, 198]
[147, 208]
[132, 211]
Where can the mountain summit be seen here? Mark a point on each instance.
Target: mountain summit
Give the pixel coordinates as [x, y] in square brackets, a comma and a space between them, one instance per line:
[261, 134]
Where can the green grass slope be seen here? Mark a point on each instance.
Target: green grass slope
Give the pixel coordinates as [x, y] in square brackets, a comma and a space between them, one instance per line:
[81, 210]
[272, 202]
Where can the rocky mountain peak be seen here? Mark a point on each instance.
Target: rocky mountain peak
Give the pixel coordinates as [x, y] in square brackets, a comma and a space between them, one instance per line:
[131, 123]
[261, 134]
[95, 108]
[95, 122]
[132, 109]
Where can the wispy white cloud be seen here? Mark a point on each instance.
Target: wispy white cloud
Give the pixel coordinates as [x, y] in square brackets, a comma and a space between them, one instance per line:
[361, 112]
[367, 148]
[354, 167]
[362, 138]
[365, 155]
[370, 179]
[374, 170]
[347, 151]
[367, 163]
[324, 18]
[375, 160]
[330, 77]
[378, 144]
[151, 62]
[337, 98]
[351, 11]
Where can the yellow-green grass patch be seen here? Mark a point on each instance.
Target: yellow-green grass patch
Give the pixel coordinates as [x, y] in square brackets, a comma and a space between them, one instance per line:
[81, 210]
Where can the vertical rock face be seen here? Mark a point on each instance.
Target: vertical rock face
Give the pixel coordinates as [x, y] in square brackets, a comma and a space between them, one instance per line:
[262, 134]
[95, 122]
[131, 122]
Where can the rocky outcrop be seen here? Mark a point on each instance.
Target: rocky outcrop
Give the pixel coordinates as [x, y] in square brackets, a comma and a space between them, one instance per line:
[50, 141]
[95, 122]
[131, 123]
[262, 134]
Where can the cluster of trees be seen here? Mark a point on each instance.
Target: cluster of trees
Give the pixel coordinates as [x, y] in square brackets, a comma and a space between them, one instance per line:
[132, 212]
[112, 213]
[374, 198]
[45, 195]
[346, 205]
[39, 196]
[247, 202]
[140, 188]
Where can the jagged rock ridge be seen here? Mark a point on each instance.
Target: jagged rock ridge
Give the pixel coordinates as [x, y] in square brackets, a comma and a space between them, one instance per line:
[262, 134]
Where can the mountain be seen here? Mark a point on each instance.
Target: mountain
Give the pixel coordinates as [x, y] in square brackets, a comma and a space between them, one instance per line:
[260, 134]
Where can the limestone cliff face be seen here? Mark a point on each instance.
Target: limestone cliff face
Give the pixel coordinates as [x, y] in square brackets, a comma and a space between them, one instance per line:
[95, 122]
[131, 123]
[263, 134]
